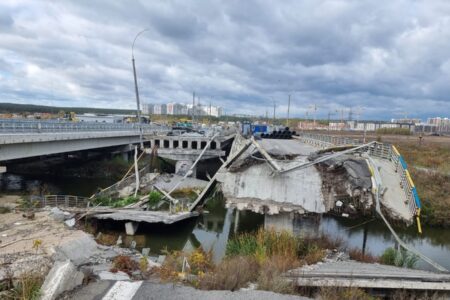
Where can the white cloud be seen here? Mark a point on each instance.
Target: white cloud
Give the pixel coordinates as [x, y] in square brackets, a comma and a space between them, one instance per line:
[385, 57]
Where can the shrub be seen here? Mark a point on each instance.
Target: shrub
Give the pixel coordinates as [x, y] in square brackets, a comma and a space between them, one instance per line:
[102, 201]
[125, 201]
[231, 274]
[401, 258]
[243, 244]
[358, 255]
[154, 198]
[28, 287]
[270, 275]
[199, 262]
[348, 293]
[125, 264]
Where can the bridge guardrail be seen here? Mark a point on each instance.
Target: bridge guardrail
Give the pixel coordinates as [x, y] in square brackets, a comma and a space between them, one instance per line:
[48, 126]
[60, 201]
[381, 150]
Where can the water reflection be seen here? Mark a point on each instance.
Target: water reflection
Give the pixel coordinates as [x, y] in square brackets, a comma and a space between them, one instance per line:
[27, 184]
[212, 230]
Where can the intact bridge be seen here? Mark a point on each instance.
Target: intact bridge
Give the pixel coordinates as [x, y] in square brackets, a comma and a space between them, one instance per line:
[21, 139]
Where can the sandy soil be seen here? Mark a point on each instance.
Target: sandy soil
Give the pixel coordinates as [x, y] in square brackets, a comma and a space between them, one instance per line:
[18, 233]
[10, 201]
[28, 244]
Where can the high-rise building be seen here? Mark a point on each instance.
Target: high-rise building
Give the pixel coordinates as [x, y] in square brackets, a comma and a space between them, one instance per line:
[182, 109]
[147, 108]
[176, 109]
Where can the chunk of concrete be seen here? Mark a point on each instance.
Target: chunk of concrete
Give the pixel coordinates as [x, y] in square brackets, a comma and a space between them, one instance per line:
[62, 277]
[57, 214]
[131, 227]
[70, 223]
[77, 250]
[127, 191]
[118, 276]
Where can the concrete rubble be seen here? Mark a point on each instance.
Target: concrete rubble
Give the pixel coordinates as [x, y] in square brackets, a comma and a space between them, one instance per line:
[249, 184]
[63, 255]
[62, 277]
[340, 185]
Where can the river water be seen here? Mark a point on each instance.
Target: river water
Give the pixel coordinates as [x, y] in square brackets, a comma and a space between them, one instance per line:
[213, 229]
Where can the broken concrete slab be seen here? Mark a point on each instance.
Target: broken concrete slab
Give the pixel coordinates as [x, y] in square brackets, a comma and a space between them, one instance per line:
[147, 216]
[62, 277]
[167, 182]
[77, 250]
[117, 276]
[301, 188]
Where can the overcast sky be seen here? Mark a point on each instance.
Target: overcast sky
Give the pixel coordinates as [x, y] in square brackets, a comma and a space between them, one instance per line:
[383, 58]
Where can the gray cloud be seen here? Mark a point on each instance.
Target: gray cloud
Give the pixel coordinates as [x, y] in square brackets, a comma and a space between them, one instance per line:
[385, 58]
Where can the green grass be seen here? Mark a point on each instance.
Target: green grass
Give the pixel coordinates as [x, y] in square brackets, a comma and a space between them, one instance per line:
[154, 198]
[108, 201]
[429, 165]
[395, 131]
[125, 201]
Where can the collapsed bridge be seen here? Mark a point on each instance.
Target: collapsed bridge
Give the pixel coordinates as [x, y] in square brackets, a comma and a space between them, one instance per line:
[319, 174]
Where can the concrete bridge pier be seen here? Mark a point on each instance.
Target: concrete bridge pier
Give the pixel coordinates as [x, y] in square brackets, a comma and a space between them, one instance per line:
[131, 228]
[182, 166]
[280, 222]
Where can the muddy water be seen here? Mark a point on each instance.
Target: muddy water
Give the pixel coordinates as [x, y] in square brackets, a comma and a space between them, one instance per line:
[212, 230]
[27, 184]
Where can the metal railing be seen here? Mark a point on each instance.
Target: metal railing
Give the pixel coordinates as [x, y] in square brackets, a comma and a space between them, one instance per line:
[381, 150]
[59, 201]
[49, 126]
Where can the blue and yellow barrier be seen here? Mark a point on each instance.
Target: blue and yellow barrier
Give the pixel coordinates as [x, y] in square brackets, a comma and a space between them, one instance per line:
[413, 187]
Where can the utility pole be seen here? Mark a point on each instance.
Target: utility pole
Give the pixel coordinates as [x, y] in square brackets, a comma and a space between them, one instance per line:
[329, 115]
[136, 89]
[289, 106]
[274, 106]
[314, 108]
[193, 107]
[210, 112]
[267, 116]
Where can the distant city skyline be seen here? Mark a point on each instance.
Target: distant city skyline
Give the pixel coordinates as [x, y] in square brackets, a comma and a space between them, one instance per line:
[175, 108]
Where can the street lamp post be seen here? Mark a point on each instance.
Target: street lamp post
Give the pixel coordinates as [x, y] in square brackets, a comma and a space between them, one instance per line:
[138, 105]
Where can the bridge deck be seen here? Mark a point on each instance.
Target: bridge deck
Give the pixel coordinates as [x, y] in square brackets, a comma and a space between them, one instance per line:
[363, 275]
[147, 216]
[394, 198]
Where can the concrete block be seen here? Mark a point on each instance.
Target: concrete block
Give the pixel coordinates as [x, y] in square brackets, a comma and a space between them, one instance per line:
[131, 227]
[62, 277]
[77, 250]
[57, 214]
[70, 223]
